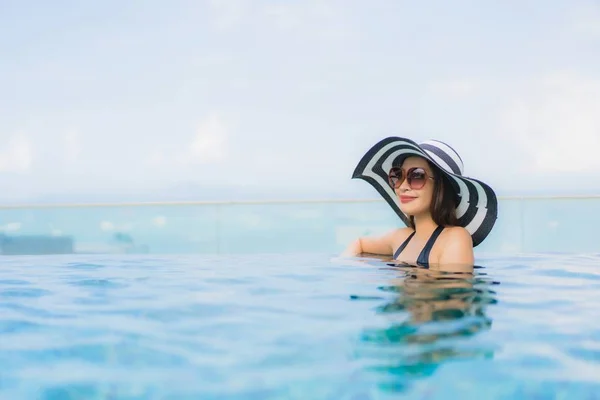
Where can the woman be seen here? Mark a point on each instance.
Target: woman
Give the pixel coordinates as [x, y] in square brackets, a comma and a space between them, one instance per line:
[446, 214]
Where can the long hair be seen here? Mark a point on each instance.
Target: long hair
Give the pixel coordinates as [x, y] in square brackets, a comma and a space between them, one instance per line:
[443, 201]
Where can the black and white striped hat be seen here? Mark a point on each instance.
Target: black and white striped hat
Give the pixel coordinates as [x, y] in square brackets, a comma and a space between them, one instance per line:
[477, 208]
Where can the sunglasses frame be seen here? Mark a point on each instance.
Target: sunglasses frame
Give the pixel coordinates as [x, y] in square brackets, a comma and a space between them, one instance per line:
[400, 179]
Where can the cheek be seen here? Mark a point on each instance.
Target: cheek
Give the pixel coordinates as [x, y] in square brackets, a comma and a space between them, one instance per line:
[425, 202]
[427, 198]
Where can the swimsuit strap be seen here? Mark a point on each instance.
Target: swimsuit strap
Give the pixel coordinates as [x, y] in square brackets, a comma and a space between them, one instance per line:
[403, 245]
[423, 259]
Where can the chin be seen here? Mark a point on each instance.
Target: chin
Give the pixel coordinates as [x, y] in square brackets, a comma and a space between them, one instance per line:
[411, 209]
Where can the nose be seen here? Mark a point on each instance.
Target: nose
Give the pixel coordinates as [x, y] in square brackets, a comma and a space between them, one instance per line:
[404, 186]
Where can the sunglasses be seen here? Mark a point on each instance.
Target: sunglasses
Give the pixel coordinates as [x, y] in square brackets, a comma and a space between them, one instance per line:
[416, 177]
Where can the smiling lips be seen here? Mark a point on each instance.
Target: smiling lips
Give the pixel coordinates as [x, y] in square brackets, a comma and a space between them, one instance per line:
[406, 199]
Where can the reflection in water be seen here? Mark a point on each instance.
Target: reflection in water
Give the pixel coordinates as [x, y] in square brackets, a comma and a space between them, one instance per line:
[431, 319]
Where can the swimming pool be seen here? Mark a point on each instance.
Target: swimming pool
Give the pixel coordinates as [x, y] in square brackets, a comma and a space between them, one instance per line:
[296, 326]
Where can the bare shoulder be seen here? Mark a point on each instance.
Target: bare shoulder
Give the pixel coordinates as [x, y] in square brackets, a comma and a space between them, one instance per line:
[457, 248]
[400, 234]
[457, 235]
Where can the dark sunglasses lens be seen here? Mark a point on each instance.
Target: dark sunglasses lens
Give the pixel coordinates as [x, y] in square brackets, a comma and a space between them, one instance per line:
[395, 178]
[417, 178]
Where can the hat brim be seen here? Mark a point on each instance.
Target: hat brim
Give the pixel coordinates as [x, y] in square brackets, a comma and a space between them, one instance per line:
[477, 208]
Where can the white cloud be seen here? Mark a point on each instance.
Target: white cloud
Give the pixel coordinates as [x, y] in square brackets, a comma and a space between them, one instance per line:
[210, 142]
[556, 120]
[17, 156]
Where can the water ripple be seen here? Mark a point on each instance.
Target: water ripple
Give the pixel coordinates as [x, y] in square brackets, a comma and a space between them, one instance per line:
[270, 327]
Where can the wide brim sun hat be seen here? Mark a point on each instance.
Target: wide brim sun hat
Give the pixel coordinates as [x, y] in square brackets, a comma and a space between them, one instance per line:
[477, 204]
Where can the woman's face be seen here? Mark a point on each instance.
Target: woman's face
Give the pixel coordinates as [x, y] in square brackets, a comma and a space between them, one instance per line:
[415, 200]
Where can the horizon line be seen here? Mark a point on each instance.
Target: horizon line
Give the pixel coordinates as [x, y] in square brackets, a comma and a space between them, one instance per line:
[259, 202]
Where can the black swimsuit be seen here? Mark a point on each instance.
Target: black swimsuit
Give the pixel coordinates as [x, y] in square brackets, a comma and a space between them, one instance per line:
[423, 259]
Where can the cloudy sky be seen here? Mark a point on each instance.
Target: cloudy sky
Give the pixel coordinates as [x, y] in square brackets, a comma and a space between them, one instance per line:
[140, 97]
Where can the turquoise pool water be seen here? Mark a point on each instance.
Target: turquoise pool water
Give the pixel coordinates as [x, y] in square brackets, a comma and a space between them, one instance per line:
[297, 326]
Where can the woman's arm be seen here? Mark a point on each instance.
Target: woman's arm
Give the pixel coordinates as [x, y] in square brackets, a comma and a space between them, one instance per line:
[382, 245]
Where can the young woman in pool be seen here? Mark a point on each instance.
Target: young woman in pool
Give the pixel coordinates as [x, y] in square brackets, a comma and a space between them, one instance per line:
[446, 214]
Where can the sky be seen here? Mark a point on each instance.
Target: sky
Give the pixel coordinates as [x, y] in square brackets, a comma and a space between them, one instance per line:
[232, 99]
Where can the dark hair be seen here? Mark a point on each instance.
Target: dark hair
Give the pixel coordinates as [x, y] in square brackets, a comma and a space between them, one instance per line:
[443, 202]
